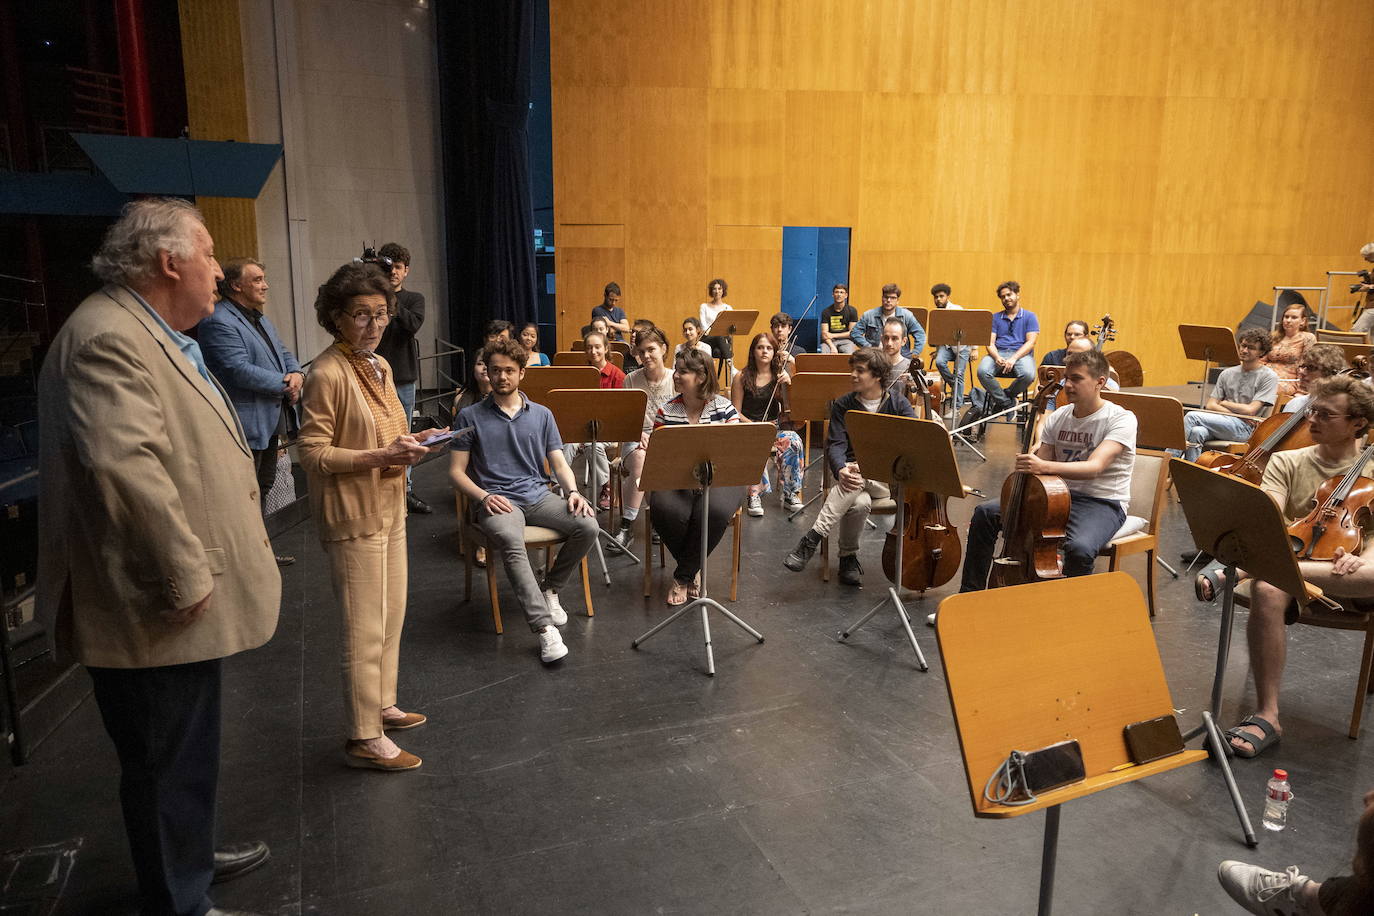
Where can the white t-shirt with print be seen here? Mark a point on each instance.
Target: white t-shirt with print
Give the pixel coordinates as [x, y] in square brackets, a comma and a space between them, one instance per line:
[1074, 439]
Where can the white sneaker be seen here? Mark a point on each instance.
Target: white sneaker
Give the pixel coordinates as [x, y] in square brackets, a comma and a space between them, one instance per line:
[1265, 892]
[930, 620]
[556, 611]
[756, 506]
[551, 647]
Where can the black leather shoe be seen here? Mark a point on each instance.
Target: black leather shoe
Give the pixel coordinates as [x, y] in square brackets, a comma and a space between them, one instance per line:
[802, 553]
[851, 573]
[238, 859]
[283, 560]
[416, 504]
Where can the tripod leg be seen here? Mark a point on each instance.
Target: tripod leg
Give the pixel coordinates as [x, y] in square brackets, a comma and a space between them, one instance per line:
[844, 634]
[1215, 738]
[660, 625]
[906, 625]
[601, 558]
[706, 634]
[730, 616]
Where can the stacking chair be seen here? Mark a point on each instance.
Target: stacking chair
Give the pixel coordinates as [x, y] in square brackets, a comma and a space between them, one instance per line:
[536, 537]
[1140, 532]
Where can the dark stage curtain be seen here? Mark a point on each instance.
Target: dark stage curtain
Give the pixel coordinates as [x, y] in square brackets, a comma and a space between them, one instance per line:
[484, 100]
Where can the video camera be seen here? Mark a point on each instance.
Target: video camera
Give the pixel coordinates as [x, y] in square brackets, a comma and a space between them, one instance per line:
[1364, 276]
[370, 256]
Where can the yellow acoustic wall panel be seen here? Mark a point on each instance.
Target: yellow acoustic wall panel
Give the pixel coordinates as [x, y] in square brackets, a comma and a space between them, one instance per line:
[217, 109]
[1162, 161]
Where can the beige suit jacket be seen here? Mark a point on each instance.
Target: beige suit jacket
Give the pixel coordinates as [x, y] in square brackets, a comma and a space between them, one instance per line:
[148, 498]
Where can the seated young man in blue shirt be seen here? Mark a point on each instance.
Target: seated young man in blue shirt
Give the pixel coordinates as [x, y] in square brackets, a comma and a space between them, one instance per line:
[851, 499]
[1011, 350]
[499, 466]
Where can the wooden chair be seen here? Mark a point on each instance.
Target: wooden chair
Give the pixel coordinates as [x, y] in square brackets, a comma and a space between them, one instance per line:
[1331, 335]
[736, 523]
[579, 358]
[823, 362]
[536, 537]
[1013, 688]
[1360, 618]
[1352, 351]
[1140, 532]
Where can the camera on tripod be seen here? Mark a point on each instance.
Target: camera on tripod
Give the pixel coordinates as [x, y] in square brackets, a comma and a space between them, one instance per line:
[1365, 276]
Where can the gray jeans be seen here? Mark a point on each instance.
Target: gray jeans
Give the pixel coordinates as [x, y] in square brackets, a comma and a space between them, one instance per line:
[506, 536]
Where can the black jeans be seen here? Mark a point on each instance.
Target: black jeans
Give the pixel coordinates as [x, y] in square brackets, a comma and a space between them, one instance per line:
[676, 516]
[1092, 522]
[165, 725]
[266, 461]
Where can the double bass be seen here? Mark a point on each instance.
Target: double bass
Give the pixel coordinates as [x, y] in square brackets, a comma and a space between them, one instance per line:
[1035, 512]
[1340, 517]
[1129, 374]
[930, 543]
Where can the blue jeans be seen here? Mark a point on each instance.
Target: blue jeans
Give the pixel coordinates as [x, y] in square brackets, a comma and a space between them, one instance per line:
[406, 392]
[954, 380]
[1023, 370]
[1198, 427]
[1092, 523]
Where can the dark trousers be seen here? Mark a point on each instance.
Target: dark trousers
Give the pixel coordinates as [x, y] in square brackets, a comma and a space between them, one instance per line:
[266, 461]
[677, 517]
[165, 725]
[1092, 522]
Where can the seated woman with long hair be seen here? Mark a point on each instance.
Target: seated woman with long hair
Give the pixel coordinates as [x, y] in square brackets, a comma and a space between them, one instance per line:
[529, 339]
[676, 514]
[759, 392]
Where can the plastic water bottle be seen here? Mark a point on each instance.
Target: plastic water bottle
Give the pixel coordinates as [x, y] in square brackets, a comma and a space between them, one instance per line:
[1276, 798]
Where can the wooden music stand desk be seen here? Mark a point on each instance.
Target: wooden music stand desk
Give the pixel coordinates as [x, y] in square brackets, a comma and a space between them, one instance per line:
[822, 362]
[896, 450]
[540, 380]
[603, 415]
[1211, 344]
[1031, 665]
[1159, 419]
[702, 456]
[808, 400]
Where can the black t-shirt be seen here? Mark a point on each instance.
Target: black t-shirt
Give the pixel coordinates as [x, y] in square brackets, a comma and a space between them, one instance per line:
[838, 319]
[616, 314]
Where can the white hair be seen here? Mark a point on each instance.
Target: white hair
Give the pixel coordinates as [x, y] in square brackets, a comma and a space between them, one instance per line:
[129, 251]
[1367, 252]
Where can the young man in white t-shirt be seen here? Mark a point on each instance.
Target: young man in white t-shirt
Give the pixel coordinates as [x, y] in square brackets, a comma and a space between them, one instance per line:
[1090, 444]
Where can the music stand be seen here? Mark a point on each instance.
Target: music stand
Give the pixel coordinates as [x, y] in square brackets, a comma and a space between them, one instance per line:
[700, 457]
[732, 323]
[540, 380]
[890, 449]
[808, 400]
[606, 414]
[1210, 344]
[956, 328]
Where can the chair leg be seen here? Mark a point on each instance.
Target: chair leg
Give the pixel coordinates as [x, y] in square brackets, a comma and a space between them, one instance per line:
[648, 548]
[1150, 579]
[734, 576]
[1362, 686]
[467, 575]
[495, 598]
[587, 587]
[825, 558]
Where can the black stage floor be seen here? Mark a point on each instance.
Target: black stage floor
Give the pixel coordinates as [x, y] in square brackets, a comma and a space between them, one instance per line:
[809, 776]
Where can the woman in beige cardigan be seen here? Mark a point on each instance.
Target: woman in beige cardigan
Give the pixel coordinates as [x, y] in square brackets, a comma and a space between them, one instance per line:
[355, 445]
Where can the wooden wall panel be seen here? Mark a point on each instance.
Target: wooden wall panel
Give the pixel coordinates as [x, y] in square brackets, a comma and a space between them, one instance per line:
[582, 275]
[1159, 161]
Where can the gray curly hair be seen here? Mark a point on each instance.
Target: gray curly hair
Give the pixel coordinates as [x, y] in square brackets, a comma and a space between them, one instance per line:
[1367, 252]
[129, 250]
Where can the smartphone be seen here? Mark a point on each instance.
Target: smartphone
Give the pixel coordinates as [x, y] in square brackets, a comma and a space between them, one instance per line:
[1152, 739]
[446, 437]
[1051, 767]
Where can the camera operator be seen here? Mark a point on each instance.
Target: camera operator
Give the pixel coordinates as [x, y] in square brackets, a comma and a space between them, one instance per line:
[399, 346]
[1364, 314]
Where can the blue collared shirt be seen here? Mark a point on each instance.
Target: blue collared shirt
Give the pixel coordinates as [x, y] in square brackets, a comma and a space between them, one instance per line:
[508, 453]
[1011, 332]
[188, 347]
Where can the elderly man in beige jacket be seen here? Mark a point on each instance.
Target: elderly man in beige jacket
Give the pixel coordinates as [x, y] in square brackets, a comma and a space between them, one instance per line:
[153, 564]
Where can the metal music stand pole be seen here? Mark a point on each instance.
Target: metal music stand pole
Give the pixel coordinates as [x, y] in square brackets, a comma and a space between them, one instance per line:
[700, 457]
[950, 328]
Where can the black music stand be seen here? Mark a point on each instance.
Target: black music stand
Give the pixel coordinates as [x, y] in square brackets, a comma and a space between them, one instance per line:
[1210, 344]
[699, 457]
[609, 414]
[955, 328]
[890, 449]
[732, 323]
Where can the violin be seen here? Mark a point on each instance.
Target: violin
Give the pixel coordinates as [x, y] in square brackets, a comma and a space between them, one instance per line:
[1278, 433]
[1340, 517]
[1035, 511]
[930, 543]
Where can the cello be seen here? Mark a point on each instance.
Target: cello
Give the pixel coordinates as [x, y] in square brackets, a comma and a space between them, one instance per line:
[1340, 517]
[1035, 511]
[930, 543]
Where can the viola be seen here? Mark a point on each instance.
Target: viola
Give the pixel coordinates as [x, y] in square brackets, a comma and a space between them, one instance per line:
[1340, 517]
[1278, 433]
[930, 543]
[1035, 512]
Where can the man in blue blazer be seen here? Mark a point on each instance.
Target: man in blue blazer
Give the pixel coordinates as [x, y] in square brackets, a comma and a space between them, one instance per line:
[244, 352]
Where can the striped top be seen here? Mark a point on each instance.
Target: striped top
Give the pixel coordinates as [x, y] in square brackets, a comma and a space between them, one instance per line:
[717, 410]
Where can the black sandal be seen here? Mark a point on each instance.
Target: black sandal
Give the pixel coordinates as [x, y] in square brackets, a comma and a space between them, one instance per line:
[1258, 743]
[1214, 576]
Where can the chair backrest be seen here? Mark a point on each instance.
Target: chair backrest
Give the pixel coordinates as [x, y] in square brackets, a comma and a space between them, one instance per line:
[1159, 419]
[1149, 480]
[823, 362]
[1032, 665]
[1330, 335]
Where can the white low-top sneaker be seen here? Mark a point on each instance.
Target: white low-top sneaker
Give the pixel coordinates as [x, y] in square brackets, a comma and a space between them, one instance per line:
[556, 611]
[551, 647]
